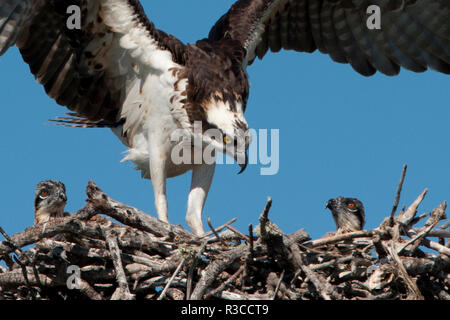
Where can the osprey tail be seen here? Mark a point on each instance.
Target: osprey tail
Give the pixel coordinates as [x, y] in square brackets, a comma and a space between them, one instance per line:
[74, 120]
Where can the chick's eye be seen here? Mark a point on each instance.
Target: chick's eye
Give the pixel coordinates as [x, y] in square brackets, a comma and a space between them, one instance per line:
[226, 140]
[43, 194]
[351, 205]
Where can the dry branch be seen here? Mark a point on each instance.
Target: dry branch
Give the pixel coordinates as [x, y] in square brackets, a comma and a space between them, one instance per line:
[397, 195]
[123, 291]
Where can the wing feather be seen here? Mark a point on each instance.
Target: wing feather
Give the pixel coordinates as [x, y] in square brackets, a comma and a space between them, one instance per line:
[13, 14]
[415, 34]
[359, 57]
[316, 26]
[88, 70]
[336, 45]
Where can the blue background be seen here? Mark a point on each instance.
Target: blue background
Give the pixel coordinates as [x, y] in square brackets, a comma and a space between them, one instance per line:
[340, 134]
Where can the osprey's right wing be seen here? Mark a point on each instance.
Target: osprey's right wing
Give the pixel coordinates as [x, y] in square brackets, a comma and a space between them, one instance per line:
[93, 67]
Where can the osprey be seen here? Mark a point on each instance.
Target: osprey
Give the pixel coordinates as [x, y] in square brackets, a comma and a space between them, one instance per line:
[118, 70]
[348, 214]
[49, 201]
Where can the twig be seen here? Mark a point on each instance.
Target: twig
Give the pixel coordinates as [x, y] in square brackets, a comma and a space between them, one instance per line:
[235, 296]
[379, 248]
[130, 237]
[445, 225]
[25, 275]
[15, 278]
[131, 216]
[219, 228]
[214, 269]
[20, 254]
[410, 213]
[123, 291]
[222, 287]
[397, 196]
[158, 282]
[251, 241]
[436, 246]
[436, 216]
[438, 233]
[243, 236]
[345, 236]
[299, 236]
[331, 263]
[264, 218]
[192, 268]
[88, 291]
[321, 285]
[278, 285]
[215, 232]
[172, 278]
[411, 284]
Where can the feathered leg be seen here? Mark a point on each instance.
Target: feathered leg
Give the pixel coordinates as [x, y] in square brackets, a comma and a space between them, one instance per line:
[158, 176]
[202, 175]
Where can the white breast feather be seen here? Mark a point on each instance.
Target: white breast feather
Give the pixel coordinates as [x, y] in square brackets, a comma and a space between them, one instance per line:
[136, 63]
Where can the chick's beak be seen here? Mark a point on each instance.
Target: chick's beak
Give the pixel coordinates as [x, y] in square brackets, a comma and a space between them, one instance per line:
[63, 197]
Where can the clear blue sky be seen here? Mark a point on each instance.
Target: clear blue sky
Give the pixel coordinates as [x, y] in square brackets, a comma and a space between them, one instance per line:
[340, 134]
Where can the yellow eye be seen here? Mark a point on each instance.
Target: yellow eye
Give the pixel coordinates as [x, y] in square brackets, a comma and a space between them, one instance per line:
[226, 140]
[351, 205]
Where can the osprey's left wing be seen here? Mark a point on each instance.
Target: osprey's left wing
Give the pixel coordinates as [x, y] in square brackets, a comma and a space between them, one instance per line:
[91, 56]
[414, 34]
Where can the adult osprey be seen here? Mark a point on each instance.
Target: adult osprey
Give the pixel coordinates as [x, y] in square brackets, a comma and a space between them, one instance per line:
[119, 71]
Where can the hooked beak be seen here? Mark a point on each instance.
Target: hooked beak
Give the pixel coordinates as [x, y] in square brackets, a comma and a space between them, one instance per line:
[243, 164]
[62, 196]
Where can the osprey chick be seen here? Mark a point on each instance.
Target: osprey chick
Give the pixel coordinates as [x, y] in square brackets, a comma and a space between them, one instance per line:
[49, 201]
[348, 214]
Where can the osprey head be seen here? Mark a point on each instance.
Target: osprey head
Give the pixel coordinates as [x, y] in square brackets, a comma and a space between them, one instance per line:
[49, 201]
[217, 126]
[227, 129]
[348, 213]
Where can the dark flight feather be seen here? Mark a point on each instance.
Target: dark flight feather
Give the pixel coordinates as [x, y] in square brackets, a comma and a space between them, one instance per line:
[414, 34]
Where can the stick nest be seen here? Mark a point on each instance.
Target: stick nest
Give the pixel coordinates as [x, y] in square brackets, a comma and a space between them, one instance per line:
[88, 256]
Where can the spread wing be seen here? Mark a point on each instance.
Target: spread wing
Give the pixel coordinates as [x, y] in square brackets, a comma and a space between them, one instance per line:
[414, 34]
[91, 69]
